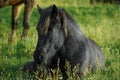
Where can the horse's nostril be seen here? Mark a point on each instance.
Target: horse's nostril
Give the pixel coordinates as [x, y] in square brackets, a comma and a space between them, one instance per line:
[41, 57]
[44, 50]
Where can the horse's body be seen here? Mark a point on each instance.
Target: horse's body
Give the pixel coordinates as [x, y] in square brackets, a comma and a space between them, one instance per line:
[59, 37]
[16, 8]
[4, 3]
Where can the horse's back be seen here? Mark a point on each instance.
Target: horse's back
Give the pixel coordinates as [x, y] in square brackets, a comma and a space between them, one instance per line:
[4, 3]
[96, 54]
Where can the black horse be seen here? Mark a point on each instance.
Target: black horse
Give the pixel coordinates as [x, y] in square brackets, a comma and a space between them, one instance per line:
[59, 37]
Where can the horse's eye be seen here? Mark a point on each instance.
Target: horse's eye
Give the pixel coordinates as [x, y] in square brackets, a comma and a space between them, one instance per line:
[58, 25]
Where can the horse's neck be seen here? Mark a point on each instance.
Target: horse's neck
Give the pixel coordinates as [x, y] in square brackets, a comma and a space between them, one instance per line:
[74, 30]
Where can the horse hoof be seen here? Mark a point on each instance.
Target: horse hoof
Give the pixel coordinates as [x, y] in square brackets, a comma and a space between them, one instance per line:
[23, 37]
[12, 37]
[24, 34]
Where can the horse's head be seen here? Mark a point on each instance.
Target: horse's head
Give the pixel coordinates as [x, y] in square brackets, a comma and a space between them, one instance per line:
[51, 33]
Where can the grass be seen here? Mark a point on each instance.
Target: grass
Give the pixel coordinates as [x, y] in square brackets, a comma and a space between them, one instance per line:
[99, 22]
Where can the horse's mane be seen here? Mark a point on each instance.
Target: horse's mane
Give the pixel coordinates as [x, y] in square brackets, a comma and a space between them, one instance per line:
[71, 23]
[70, 18]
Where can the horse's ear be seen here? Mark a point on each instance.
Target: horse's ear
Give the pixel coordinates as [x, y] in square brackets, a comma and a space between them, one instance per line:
[55, 11]
[63, 22]
[39, 8]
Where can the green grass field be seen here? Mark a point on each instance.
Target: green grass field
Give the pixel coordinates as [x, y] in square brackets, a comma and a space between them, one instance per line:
[100, 22]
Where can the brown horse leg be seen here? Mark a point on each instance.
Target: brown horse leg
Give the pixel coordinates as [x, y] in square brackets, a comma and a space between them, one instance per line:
[29, 5]
[14, 23]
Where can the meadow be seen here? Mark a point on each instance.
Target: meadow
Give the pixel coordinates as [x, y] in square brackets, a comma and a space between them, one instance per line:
[100, 22]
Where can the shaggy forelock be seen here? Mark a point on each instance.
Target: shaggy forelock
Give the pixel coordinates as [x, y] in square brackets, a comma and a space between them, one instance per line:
[45, 20]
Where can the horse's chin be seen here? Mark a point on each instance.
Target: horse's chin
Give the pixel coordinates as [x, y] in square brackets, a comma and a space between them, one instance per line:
[50, 55]
[48, 62]
[49, 65]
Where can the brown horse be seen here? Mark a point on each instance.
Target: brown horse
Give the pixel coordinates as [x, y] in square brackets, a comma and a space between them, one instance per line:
[16, 9]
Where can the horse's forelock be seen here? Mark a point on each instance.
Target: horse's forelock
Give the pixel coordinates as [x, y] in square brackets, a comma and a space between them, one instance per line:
[45, 25]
